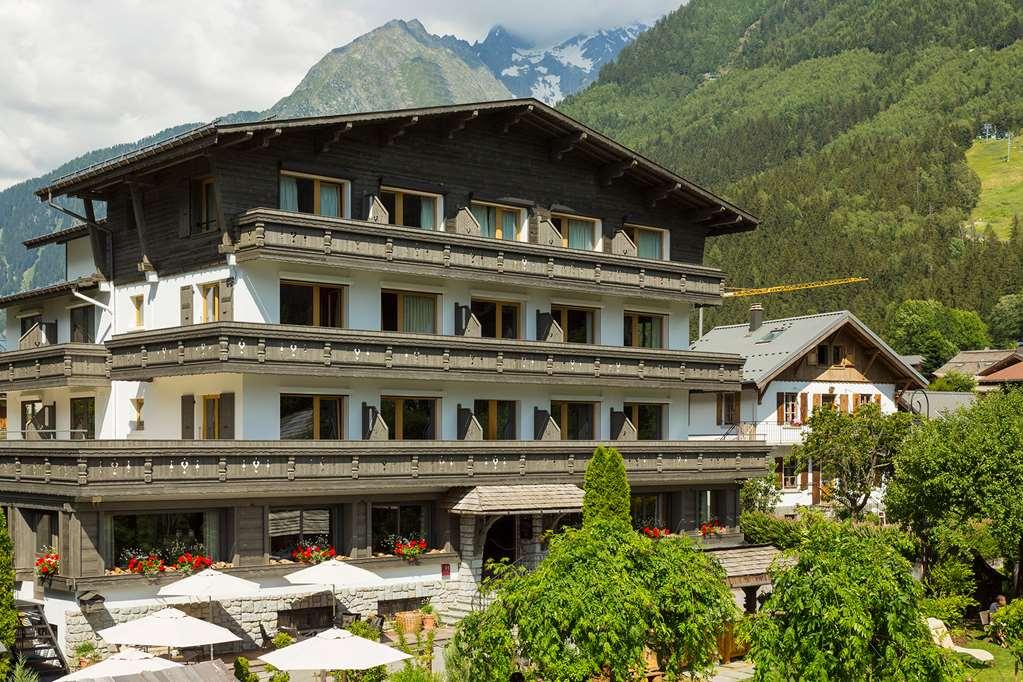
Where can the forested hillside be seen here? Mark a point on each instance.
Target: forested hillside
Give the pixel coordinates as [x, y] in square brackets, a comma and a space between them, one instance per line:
[843, 124]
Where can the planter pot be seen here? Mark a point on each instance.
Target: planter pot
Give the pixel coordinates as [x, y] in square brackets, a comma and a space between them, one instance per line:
[429, 622]
[410, 622]
[84, 663]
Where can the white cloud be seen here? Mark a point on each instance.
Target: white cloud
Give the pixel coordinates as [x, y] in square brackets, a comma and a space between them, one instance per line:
[84, 74]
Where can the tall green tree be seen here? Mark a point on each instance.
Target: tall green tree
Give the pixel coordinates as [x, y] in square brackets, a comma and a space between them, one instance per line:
[966, 466]
[601, 598]
[954, 381]
[935, 331]
[853, 451]
[1006, 320]
[844, 606]
[8, 612]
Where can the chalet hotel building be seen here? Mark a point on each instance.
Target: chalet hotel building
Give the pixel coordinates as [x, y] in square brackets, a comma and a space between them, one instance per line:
[344, 329]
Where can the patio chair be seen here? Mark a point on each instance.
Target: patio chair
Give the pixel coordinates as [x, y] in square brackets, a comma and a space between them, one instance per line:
[985, 617]
[941, 637]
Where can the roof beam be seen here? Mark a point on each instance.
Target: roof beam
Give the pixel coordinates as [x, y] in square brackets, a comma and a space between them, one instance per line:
[276, 132]
[700, 215]
[322, 147]
[563, 145]
[655, 195]
[460, 123]
[514, 117]
[390, 135]
[138, 208]
[613, 171]
[725, 221]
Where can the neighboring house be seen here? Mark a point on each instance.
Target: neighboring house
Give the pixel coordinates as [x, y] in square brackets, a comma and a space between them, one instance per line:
[793, 366]
[984, 366]
[348, 329]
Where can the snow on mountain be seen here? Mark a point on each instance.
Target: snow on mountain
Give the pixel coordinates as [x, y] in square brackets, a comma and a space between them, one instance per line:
[551, 73]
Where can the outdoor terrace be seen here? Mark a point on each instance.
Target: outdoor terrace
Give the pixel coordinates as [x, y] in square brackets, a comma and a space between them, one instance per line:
[264, 233]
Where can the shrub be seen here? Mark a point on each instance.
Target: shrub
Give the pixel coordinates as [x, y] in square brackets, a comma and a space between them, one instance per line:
[8, 612]
[282, 639]
[950, 609]
[765, 529]
[1009, 621]
[759, 494]
[242, 671]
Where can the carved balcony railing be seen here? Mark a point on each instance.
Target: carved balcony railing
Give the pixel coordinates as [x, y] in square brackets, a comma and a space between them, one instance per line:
[294, 237]
[179, 469]
[47, 366]
[286, 349]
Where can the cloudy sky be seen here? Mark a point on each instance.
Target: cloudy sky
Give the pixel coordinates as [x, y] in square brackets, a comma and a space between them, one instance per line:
[82, 74]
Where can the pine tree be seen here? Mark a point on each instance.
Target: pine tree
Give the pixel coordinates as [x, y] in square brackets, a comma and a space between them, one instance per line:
[8, 613]
[606, 496]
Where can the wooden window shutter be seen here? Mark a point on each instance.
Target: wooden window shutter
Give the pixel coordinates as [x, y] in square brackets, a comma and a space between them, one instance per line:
[227, 300]
[803, 476]
[720, 407]
[804, 412]
[779, 470]
[877, 399]
[188, 417]
[226, 416]
[184, 197]
[780, 412]
[186, 306]
[855, 401]
[843, 402]
[816, 400]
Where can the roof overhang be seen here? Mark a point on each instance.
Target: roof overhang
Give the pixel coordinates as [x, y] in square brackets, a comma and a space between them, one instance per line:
[52, 291]
[484, 500]
[59, 237]
[717, 215]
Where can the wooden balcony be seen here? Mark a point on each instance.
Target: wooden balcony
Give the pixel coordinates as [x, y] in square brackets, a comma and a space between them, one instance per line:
[155, 470]
[293, 237]
[62, 364]
[295, 350]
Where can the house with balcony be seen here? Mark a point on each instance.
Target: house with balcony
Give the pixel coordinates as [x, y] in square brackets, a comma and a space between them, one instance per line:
[792, 367]
[345, 330]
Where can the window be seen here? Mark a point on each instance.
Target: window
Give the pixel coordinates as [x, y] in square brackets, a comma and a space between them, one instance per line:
[577, 323]
[136, 407]
[211, 417]
[648, 418]
[409, 418]
[44, 527]
[497, 222]
[83, 418]
[498, 320]
[138, 304]
[290, 527]
[728, 408]
[576, 233]
[577, 420]
[862, 399]
[829, 399]
[837, 355]
[30, 321]
[204, 206]
[410, 209]
[710, 505]
[789, 477]
[210, 302]
[644, 511]
[497, 417]
[317, 305]
[311, 417]
[643, 330]
[649, 241]
[410, 313]
[790, 409]
[83, 324]
[313, 194]
[822, 354]
[167, 535]
[391, 521]
[37, 420]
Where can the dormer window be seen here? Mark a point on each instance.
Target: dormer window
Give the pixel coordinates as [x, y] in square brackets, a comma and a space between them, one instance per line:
[313, 194]
[496, 221]
[409, 208]
[576, 232]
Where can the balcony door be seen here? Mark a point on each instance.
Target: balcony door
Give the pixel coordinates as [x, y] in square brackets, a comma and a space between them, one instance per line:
[311, 304]
[83, 324]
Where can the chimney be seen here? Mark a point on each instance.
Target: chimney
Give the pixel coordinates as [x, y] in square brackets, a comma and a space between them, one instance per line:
[756, 317]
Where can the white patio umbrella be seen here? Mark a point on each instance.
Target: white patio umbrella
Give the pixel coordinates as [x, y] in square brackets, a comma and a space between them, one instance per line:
[333, 649]
[210, 584]
[336, 574]
[170, 628]
[125, 662]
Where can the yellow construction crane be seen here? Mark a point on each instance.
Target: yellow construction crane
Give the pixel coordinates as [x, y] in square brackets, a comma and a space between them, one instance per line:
[785, 288]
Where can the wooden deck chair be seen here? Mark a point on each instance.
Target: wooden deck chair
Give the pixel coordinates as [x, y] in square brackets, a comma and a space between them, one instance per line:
[939, 633]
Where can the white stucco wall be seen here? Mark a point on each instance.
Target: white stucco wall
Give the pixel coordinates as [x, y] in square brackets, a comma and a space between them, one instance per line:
[79, 259]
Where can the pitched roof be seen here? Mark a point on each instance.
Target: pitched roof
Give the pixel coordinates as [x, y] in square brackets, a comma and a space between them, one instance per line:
[59, 237]
[724, 217]
[779, 343]
[1011, 372]
[58, 289]
[746, 565]
[520, 499]
[975, 362]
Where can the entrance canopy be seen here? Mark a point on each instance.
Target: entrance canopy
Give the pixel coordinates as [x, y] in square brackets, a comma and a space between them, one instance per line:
[520, 499]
